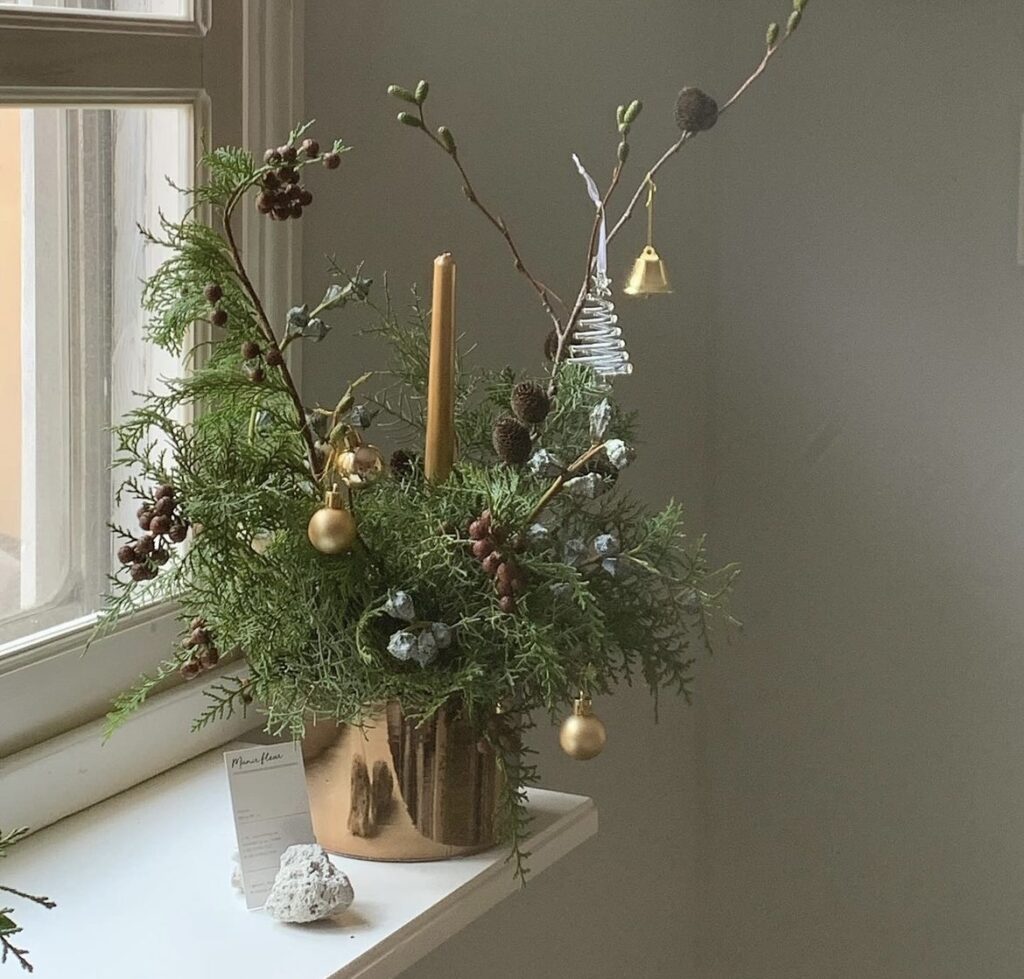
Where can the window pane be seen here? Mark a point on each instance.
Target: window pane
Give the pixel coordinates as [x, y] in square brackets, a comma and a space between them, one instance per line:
[176, 9]
[71, 325]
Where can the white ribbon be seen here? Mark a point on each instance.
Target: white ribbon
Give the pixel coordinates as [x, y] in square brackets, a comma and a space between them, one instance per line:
[601, 259]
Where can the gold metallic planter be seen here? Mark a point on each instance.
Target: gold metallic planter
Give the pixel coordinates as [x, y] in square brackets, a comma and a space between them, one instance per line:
[395, 791]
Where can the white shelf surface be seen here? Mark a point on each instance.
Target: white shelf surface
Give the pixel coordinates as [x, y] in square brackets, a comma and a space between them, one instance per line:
[142, 884]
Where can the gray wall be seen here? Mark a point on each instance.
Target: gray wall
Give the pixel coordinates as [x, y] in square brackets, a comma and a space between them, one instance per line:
[835, 393]
[862, 750]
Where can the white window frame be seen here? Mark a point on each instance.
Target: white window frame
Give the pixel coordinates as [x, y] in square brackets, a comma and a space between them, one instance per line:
[245, 86]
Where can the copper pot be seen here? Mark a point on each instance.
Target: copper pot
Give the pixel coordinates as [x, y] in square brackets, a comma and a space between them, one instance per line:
[394, 790]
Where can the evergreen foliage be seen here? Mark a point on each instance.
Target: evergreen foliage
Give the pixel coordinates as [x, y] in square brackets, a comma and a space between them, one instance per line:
[310, 632]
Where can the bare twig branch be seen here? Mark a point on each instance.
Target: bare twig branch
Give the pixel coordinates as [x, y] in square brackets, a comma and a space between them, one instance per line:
[686, 136]
[267, 329]
[545, 293]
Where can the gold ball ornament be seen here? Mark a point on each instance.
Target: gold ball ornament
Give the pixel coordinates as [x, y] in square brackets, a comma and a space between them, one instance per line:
[332, 529]
[582, 735]
[360, 465]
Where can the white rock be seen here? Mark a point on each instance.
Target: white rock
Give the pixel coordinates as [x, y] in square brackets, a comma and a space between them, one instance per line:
[308, 886]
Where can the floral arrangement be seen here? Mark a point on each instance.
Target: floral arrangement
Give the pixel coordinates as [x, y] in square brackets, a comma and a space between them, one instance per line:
[334, 575]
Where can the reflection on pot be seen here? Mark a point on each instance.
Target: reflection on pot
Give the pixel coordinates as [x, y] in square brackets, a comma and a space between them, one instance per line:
[393, 790]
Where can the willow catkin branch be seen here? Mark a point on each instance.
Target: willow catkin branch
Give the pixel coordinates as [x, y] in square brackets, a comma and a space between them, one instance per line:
[544, 292]
[686, 135]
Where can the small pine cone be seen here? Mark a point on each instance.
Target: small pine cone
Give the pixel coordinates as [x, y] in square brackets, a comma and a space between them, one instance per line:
[331, 160]
[305, 197]
[208, 657]
[288, 175]
[161, 555]
[255, 374]
[530, 403]
[481, 548]
[310, 147]
[288, 153]
[551, 345]
[191, 669]
[166, 489]
[213, 293]
[511, 440]
[295, 209]
[177, 532]
[126, 554]
[146, 519]
[164, 506]
[272, 157]
[696, 111]
[197, 623]
[139, 572]
[250, 350]
[264, 202]
[160, 525]
[274, 357]
[219, 317]
[507, 604]
[144, 545]
[201, 636]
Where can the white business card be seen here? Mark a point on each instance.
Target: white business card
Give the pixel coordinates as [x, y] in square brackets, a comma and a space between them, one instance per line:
[271, 808]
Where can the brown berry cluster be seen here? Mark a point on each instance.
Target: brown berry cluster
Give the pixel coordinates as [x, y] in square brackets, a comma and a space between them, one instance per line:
[282, 195]
[214, 294]
[163, 523]
[204, 653]
[255, 358]
[488, 541]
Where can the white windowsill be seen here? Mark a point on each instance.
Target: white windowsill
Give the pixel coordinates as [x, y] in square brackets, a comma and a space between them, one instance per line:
[142, 887]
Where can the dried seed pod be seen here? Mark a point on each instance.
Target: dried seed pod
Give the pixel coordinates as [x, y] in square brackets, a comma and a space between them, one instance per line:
[310, 147]
[213, 293]
[219, 317]
[481, 548]
[511, 440]
[160, 524]
[274, 357]
[696, 111]
[331, 160]
[250, 349]
[177, 532]
[126, 554]
[530, 402]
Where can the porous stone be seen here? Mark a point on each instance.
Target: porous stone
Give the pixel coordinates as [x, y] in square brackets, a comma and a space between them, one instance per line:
[308, 886]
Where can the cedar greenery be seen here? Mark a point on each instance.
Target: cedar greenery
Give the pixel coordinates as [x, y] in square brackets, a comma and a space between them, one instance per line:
[607, 591]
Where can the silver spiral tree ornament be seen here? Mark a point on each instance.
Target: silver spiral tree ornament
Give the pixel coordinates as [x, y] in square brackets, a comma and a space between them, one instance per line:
[596, 339]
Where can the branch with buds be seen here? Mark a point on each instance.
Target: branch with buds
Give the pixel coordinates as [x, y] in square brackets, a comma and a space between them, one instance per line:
[696, 112]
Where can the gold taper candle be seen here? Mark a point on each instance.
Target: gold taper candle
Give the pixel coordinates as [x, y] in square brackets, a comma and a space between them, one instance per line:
[440, 447]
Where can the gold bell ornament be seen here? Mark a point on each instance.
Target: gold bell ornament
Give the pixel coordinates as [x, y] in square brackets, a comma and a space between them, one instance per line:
[332, 529]
[648, 276]
[582, 735]
[359, 463]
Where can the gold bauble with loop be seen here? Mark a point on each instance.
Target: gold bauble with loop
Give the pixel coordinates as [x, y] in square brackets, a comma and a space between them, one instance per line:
[332, 529]
[582, 735]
